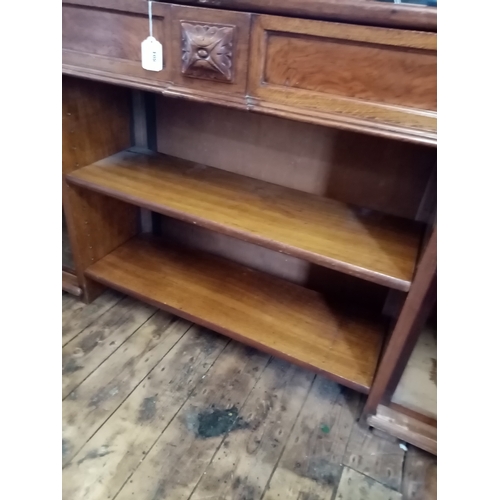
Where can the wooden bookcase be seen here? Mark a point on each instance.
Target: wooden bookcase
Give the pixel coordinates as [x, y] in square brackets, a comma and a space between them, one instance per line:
[326, 258]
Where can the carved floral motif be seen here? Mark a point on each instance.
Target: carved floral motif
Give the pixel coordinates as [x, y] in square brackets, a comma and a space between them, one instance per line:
[207, 51]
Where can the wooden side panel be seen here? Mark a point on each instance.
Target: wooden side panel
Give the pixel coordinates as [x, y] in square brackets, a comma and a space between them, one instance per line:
[109, 41]
[96, 123]
[416, 309]
[346, 73]
[99, 225]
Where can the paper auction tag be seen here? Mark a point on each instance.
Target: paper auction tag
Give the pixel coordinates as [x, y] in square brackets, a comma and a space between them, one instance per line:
[152, 54]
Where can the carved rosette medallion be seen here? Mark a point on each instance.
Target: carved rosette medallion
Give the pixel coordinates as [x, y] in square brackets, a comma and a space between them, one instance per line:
[207, 51]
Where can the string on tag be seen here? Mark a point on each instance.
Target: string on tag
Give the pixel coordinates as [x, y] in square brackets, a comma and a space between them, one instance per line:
[150, 13]
[151, 49]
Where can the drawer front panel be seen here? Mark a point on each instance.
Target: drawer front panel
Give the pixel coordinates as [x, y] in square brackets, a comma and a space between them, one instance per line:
[377, 74]
[109, 40]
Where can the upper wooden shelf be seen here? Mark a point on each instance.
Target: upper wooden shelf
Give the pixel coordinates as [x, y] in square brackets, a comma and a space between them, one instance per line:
[266, 312]
[355, 241]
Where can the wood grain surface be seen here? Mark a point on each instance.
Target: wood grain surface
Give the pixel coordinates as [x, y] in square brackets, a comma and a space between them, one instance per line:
[266, 312]
[349, 239]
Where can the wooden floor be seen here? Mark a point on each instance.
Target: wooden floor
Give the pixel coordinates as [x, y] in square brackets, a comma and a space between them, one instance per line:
[155, 407]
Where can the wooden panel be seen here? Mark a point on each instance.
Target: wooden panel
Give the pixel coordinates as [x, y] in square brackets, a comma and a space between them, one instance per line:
[417, 389]
[95, 124]
[70, 284]
[337, 285]
[110, 40]
[366, 72]
[373, 172]
[95, 121]
[414, 431]
[100, 224]
[357, 11]
[222, 39]
[268, 313]
[417, 306]
[370, 245]
[384, 77]
[68, 264]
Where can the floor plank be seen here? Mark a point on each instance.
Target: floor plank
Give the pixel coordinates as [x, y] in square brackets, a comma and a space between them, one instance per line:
[166, 413]
[376, 455]
[356, 486]
[85, 353]
[76, 315]
[175, 464]
[311, 463]
[244, 463]
[90, 405]
[108, 459]
[420, 475]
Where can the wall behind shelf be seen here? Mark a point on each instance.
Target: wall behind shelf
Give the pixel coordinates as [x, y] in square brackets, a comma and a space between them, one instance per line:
[376, 173]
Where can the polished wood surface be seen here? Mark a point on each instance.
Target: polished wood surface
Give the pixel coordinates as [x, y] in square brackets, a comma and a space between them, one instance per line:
[266, 312]
[316, 160]
[406, 428]
[101, 224]
[366, 244]
[396, 100]
[95, 124]
[346, 166]
[356, 11]
[107, 36]
[385, 78]
[70, 284]
[353, 75]
[365, 71]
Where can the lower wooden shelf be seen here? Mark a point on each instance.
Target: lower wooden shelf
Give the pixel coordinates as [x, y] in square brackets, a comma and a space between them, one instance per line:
[263, 311]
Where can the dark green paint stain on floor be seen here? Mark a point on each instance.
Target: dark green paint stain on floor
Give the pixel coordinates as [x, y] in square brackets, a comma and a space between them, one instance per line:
[216, 422]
